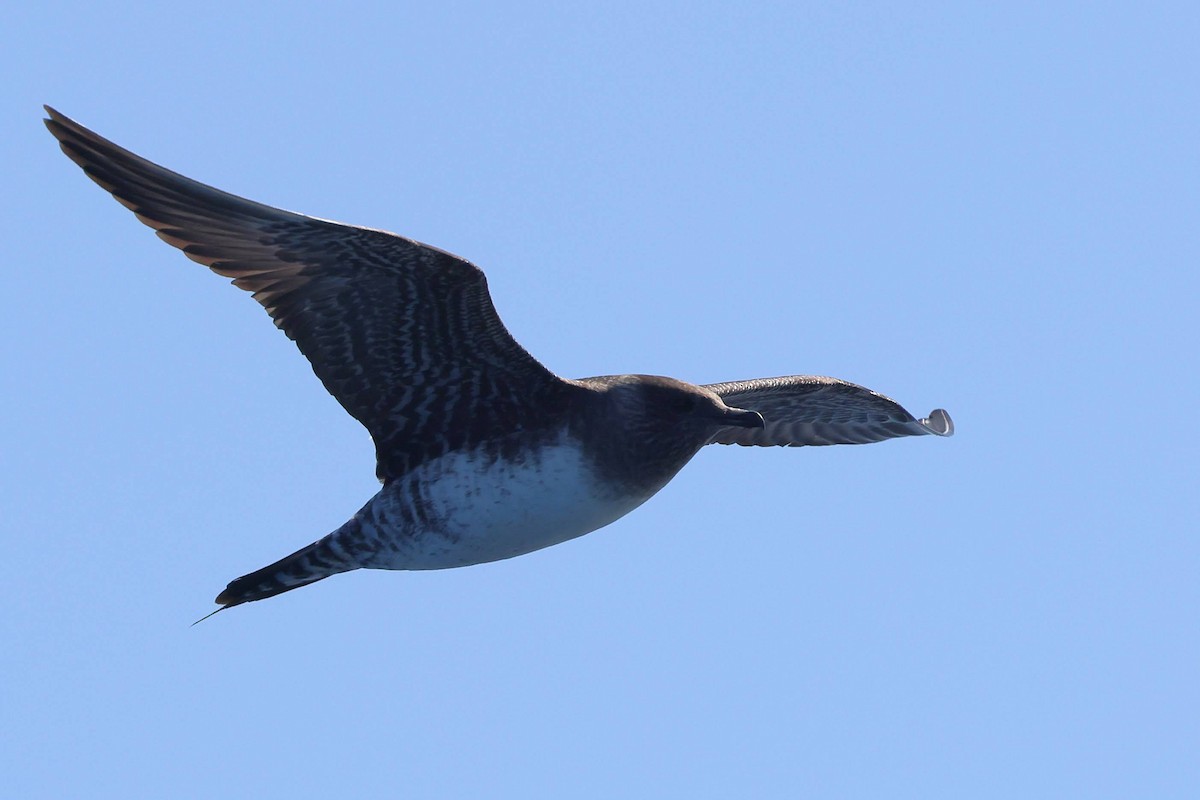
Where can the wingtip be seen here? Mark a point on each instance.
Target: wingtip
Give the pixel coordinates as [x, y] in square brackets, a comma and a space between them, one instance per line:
[53, 115]
[939, 423]
[56, 122]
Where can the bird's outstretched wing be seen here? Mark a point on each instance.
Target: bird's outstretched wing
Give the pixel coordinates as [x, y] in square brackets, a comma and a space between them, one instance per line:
[404, 335]
[809, 410]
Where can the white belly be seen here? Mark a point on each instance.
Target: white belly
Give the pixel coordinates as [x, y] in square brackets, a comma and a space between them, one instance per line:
[474, 510]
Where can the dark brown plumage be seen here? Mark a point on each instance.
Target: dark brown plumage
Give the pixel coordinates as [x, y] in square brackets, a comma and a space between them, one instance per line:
[484, 453]
[809, 410]
[402, 334]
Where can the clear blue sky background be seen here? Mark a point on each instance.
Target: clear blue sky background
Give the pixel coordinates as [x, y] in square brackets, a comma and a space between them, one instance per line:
[991, 209]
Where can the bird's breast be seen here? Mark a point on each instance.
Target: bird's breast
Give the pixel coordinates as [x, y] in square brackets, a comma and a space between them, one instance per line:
[468, 508]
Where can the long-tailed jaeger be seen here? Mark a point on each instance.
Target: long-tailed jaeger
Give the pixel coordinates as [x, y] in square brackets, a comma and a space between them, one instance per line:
[483, 453]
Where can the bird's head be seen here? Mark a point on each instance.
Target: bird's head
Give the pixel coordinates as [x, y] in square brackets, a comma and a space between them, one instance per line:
[654, 426]
[656, 405]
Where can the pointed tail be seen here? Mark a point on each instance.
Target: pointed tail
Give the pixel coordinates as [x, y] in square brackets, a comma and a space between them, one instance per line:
[307, 565]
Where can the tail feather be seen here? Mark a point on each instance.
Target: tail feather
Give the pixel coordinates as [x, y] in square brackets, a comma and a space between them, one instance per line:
[307, 565]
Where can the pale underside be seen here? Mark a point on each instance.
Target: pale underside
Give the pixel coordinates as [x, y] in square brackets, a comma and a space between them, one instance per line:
[466, 508]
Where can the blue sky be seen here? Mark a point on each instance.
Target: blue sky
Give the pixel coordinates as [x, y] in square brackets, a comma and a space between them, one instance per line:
[991, 209]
